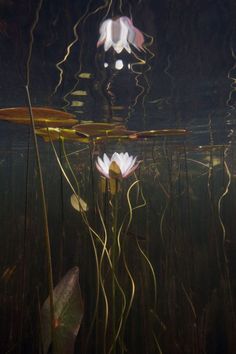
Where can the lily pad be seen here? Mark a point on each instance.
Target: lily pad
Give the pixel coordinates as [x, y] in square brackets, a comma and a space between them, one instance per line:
[57, 133]
[102, 130]
[161, 132]
[86, 132]
[43, 116]
[68, 312]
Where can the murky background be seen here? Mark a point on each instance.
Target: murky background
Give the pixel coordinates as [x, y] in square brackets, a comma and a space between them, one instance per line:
[181, 238]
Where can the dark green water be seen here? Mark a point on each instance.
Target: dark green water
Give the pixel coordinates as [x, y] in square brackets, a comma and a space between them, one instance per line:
[175, 289]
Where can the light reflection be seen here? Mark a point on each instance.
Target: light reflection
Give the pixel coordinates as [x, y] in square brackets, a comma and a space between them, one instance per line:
[119, 64]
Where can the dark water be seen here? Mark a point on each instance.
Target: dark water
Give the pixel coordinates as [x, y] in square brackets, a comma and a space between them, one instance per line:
[179, 230]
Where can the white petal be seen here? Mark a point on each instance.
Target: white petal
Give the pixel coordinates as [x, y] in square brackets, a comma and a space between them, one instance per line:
[124, 30]
[107, 161]
[133, 162]
[107, 45]
[125, 159]
[103, 32]
[102, 171]
[126, 155]
[118, 47]
[131, 170]
[101, 39]
[131, 36]
[103, 26]
[102, 165]
[113, 155]
[127, 47]
[128, 163]
[116, 157]
[121, 164]
[108, 42]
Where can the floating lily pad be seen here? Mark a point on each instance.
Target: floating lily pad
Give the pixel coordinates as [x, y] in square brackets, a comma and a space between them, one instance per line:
[42, 116]
[161, 132]
[102, 130]
[112, 136]
[93, 128]
[57, 133]
[69, 309]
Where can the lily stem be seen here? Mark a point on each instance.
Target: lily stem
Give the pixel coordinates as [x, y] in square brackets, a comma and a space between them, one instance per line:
[45, 218]
[114, 260]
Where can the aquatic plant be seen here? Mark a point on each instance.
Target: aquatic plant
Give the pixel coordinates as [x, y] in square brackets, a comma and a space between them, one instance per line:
[121, 165]
[120, 33]
[116, 286]
[123, 288]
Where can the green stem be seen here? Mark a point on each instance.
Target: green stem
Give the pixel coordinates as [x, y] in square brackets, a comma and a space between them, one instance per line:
[114, 259]
[45, 217]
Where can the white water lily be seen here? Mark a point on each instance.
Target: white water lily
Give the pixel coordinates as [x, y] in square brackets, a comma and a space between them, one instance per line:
[119, 34]
[118, 166]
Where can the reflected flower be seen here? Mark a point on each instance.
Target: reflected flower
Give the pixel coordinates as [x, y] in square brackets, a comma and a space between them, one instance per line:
[118, 166]
[119, 34]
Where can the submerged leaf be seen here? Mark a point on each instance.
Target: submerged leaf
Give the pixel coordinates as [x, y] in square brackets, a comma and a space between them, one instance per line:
[78, 203]
[68, 312]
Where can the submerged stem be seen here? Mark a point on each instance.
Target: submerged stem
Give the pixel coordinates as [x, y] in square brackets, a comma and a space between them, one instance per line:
[114, 258]
[45, 218]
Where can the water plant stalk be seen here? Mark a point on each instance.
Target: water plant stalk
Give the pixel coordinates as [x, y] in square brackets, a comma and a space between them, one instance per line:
[45, 218]
[114, 249]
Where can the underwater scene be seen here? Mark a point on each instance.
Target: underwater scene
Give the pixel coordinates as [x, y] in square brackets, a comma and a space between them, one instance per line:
[117, 177]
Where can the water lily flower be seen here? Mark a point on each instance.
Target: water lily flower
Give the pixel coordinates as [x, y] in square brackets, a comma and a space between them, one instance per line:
[118, 166]
[119, 34]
